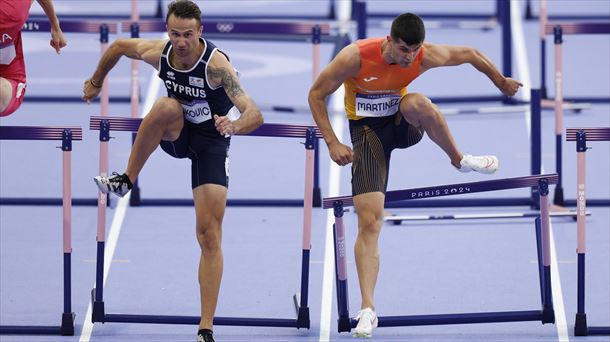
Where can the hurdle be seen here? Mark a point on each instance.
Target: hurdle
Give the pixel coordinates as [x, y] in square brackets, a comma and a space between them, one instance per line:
[107, 124]
[581, 136]
[558, 30]
[583, 27]
[545, 315]
[66, 134]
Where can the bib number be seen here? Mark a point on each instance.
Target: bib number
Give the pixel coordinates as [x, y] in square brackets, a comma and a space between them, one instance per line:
[377, 105]
[196, 111]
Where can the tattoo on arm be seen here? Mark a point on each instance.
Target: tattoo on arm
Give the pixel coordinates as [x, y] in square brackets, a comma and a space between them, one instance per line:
[227, 80]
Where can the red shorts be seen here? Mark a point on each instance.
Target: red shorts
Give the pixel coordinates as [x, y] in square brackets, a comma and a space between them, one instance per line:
[17, 94]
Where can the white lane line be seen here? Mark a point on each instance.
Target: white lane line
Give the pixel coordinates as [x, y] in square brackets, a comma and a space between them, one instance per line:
[524, 72]
[338, 123]
[117, 221]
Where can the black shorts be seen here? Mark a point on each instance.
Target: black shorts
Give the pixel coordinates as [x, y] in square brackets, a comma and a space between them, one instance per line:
[373, 141]
[209, 156]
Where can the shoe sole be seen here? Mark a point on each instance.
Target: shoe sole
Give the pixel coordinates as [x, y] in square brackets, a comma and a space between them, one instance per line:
[362, 335]
[104, 188]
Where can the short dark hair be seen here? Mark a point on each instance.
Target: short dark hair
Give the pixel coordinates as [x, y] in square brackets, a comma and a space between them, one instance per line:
[184, 9]
[409, 28]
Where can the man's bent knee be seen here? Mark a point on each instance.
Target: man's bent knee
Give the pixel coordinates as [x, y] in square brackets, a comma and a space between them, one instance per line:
[167, 114]
[418, 109]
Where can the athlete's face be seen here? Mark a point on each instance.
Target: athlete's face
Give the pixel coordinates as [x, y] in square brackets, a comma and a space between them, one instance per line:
[403, 54]
[184, 35]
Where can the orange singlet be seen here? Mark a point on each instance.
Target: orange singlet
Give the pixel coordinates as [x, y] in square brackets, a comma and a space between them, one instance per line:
[379, 86]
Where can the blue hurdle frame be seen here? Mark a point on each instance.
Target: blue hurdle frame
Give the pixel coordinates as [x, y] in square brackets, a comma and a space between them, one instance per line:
[558, 30]
[66, 135]
[581, 135]
[545, 315]
[311, 134]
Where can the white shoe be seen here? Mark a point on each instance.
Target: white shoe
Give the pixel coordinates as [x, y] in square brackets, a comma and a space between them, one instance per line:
[367, 320]
[482, 164]
[116, 184]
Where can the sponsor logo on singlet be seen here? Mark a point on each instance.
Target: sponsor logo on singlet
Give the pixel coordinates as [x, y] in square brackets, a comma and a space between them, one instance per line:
[196, 81]
[197, 111]
[377, 105]
[180, 89]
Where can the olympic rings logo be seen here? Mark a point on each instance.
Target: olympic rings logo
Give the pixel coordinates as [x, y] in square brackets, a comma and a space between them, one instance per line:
[225, 27]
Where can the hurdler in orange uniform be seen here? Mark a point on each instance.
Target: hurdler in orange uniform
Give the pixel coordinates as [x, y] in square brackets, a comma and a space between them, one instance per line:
[383, 117]
[379, 86]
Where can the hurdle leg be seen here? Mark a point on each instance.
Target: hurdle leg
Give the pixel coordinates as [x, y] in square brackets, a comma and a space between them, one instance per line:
[558, 198]
[97, 294]
[67, 317]
[344, 321]
[303, 320]
[548, 313]
[535, 143]
[580, 323]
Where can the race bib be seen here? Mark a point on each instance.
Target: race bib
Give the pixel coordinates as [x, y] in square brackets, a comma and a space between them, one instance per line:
[7, 54]
[377, 105]
[197, 111]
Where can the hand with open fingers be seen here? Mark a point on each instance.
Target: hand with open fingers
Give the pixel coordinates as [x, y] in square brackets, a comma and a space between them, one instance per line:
[224, 125]
[58, 41]
[510, 86]
[90, 90]
[340, 153]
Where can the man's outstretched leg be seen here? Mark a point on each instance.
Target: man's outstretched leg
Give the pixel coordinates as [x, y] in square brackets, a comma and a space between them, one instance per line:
[369, 207]
[163, 122]
[419, 111]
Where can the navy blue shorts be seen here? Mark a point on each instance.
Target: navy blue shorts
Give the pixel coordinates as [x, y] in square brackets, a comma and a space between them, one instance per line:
[373, 140]
[209, 156]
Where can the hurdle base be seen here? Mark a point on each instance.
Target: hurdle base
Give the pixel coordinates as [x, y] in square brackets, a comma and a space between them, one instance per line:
[98, 314]
[580, 325]
[558, 198]
[548, 314]
[345, 324]
[317, 198]
[303, 320]
[134, 198]
[67, 323]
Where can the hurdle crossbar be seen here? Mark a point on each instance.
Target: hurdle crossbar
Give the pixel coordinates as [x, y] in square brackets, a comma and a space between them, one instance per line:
[266, 130]
[66, 134]
[311, 134]
[581, 136]
[545, 315]
[449, 189]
